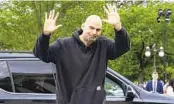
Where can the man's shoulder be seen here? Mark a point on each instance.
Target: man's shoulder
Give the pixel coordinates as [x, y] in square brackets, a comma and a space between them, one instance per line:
[64, 39]
[103, 38]
[149, 81]
[160, 82]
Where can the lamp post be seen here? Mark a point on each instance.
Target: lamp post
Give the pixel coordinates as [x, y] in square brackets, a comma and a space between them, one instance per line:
[154, 50]
[165, 14]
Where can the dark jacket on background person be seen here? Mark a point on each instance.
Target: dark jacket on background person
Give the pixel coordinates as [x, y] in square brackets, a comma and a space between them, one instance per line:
[159, 89]
[81, 70]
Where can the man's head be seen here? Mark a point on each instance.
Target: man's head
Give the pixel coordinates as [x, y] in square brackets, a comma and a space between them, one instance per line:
[155, 75]
[92, 28]
[171, 82]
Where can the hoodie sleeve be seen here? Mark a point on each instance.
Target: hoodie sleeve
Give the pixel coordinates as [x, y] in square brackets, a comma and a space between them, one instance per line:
[120, 45]
[43, 50]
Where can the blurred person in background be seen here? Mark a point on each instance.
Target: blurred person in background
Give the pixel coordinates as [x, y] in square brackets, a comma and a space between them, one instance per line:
[154, 85]
[170, 88]
[165, 86]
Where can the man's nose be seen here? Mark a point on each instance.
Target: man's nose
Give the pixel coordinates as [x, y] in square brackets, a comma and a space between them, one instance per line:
[94, 31]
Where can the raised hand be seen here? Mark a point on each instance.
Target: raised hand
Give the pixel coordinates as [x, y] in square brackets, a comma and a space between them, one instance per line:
[113, 16]
[50, 23]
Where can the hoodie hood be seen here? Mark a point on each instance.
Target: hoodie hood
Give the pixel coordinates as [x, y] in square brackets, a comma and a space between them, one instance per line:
[76, 35]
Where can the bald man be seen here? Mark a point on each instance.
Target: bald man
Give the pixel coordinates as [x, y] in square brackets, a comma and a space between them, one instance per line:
[81, 60]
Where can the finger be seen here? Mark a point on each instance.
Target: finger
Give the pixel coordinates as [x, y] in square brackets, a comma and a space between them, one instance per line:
[58, 26]
[50, 14]
[107, 5]
[105, 9]
[114, 7]
[110, 8]
[105, 20]
[46, 16]
[57, 14]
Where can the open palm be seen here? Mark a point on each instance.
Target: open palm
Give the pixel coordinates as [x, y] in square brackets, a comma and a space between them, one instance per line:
[50, 23]
[113, 17]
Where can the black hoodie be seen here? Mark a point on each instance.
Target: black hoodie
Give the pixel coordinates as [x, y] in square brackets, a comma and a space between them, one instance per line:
[80, 69]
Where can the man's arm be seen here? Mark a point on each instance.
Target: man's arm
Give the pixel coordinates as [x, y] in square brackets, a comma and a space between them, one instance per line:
[42, 50]
[120, 46]
[122, 42]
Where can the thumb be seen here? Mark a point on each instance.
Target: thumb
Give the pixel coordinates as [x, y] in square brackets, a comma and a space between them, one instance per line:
[58, 26]
[105, 20]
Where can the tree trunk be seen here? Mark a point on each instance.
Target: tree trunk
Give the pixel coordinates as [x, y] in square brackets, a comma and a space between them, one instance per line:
[141, 77]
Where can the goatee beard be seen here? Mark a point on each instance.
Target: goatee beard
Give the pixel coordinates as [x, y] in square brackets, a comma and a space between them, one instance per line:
[92, 39]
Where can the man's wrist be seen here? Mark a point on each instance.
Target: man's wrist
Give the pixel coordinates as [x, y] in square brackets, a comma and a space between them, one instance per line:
[46, 33]
[118, 26]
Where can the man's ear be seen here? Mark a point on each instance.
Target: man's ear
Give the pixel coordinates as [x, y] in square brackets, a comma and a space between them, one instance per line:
[82, 26]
